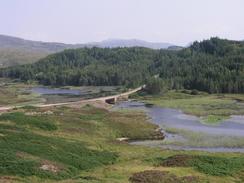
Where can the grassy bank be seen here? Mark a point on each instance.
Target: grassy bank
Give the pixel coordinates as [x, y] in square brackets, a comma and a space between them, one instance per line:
[14, 92]
[198, 139]
[213, 119]
[79, 145]
[211, 107]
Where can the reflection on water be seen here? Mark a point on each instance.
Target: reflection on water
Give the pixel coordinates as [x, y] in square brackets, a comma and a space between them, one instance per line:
[151, 143]
[59, 95]
[55, 91]
[175, 119]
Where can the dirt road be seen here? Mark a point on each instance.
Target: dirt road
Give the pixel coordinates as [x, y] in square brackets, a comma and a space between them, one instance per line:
[99, 99]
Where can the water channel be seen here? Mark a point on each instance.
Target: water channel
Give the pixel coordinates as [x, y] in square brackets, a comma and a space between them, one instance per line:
[187, 132]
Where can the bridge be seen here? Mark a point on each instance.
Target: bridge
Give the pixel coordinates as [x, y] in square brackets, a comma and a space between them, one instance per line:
[114, 98]
[108, 99]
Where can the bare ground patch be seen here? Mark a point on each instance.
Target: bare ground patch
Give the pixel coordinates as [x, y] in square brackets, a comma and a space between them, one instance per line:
[177, 161]
[50, 166]
[7, 179]
[156, 176]
[25, 155]
[45, 164]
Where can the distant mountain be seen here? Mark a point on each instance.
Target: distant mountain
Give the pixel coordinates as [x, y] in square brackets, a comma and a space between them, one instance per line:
[14, 42]
[113, 43]
[16, 51]
[176, 48]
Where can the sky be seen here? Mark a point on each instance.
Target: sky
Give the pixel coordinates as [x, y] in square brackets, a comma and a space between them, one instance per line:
[79, 21]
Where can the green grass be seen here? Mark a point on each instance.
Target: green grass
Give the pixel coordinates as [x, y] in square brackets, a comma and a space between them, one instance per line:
[13, 92]
[213, 119]
[198, 139]
[71, 156]
[218, 166]
[20, 118]
[209, 165]
[29, 107]
[120, 124]
[73, 140]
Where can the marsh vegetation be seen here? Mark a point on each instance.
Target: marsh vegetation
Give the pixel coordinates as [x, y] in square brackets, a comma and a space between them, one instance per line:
[79, 145]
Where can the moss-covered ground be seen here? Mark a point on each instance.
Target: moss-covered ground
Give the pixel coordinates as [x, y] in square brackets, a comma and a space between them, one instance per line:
[80, 145]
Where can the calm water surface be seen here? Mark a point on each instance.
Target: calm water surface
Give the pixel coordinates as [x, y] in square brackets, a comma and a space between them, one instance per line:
[59, 95]
[55, 91]
[175, 119]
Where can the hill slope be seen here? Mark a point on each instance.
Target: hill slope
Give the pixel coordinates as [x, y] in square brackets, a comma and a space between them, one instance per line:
[16, 56]
[89, 66]
[14, 42]
[17, 51]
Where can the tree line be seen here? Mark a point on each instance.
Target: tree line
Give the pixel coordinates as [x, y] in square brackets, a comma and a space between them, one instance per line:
[214, 66]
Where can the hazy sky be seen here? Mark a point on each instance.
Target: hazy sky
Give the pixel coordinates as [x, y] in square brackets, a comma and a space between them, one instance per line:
[79, 21]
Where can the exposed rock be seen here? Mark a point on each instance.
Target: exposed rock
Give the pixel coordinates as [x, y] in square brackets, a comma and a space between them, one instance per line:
[122, 139]
[39, 113]
[49, 166]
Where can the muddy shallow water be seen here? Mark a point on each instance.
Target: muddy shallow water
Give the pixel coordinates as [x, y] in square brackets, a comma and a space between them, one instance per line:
[59, 95]
[52, 91]
[186, 132]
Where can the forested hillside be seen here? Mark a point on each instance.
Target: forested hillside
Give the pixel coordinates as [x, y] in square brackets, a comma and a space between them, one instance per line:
[95, 66]
[215, 66]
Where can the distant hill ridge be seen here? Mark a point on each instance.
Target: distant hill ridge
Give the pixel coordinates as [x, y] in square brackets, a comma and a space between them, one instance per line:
[113, 43]
[16, 51]
[14, 42]
[9, 42]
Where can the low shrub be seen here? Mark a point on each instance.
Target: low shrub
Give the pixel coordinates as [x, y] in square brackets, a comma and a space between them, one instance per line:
[211, 165]
[34, 121]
